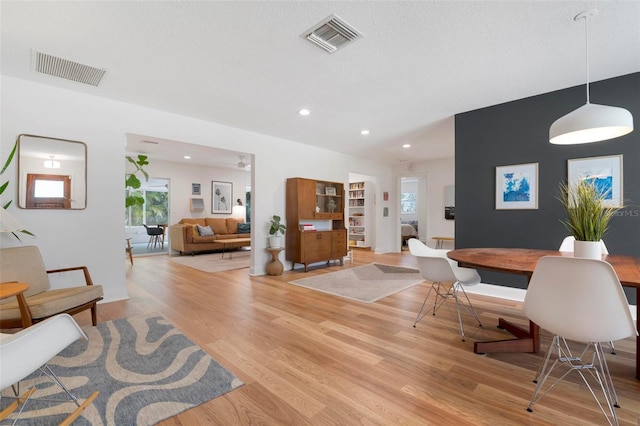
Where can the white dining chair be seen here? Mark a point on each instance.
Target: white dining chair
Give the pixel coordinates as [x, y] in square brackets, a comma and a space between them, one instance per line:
[436, 267]
[28, 351]
[567, 245]
[579, 300]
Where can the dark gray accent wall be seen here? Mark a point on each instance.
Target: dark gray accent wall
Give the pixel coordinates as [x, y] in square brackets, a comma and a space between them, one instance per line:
[518, 132]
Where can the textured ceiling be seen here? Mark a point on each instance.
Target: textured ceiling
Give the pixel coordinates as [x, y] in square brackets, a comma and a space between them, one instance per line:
[245, 64]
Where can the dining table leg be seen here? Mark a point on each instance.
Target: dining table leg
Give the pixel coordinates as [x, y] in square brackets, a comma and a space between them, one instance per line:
[525, 340]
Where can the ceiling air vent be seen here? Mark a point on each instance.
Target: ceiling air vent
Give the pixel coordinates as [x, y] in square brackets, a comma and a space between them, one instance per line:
[69, 70]
[332, 34]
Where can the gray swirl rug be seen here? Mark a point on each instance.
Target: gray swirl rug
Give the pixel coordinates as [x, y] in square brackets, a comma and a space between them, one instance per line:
[367, 283]
[145, 369]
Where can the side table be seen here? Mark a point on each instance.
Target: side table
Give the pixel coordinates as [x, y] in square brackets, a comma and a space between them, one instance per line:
[17, 289]
[275, 267]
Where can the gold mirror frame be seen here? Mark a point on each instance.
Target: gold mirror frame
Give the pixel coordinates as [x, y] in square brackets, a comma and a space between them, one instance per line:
[65, 169]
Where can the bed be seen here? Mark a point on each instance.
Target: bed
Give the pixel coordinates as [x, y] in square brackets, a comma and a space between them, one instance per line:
[407, 231]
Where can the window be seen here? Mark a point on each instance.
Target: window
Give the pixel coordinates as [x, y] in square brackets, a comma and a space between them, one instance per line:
[154, 211]
[408, 202]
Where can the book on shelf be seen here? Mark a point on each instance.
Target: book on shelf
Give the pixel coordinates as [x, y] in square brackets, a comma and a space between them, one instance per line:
[307, 227]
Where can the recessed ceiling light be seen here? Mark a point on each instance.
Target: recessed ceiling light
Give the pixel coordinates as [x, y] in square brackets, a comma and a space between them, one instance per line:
[304, 112]
[187, 157]
[406, 145]
[364, 132]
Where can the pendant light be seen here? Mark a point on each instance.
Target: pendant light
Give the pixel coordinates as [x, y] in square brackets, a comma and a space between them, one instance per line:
[590, 122]
[51, 163]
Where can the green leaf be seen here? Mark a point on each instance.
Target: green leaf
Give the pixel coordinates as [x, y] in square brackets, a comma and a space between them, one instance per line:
[132, 181]
[6, 164]
[4, 186]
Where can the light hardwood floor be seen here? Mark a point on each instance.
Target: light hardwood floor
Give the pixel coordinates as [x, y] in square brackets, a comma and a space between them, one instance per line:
[308, 358]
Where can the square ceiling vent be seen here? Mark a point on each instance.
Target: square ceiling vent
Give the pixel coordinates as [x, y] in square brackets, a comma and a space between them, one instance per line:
[332, 34]
[67, 69]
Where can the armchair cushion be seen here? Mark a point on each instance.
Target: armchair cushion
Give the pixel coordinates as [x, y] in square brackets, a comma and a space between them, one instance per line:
[24, 264]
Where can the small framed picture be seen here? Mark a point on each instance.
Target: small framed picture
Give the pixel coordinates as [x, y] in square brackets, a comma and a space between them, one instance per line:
[385, 196]
[221, 201]
[604, 172]
[330, 190]
[195, 189]
[517, 187]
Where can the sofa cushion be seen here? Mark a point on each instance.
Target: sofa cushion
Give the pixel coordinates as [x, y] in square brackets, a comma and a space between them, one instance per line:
[194, 221]
[204, 231]
[205, 239]
[219, 226]
[244, 228]
[232, 224]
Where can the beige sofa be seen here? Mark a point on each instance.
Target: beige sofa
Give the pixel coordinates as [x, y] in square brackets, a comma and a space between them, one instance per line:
[185, 238]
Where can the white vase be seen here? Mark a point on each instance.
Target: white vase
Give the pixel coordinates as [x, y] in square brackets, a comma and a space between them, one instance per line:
[275, 241]
[587, 249]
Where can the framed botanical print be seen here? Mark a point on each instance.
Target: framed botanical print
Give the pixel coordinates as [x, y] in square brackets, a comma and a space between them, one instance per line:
[221, 197]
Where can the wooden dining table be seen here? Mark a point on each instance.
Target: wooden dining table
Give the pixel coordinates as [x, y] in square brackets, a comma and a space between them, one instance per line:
[523, 262]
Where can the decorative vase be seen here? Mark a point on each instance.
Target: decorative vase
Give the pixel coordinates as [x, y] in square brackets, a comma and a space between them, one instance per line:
[275, 241]
[587, 249]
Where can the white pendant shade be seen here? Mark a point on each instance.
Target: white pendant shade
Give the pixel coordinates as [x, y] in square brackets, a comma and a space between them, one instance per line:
[591, 123]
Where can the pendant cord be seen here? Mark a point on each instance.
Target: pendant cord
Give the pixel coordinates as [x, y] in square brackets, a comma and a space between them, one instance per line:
[586, 35]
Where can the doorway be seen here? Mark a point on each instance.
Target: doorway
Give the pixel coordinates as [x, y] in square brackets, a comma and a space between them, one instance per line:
[153, 213]
[413, 209]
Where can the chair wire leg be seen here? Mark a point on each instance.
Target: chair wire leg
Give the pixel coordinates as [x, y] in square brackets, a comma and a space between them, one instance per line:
[468, 307]
[51, 375]
[422, 311]
[597, 369]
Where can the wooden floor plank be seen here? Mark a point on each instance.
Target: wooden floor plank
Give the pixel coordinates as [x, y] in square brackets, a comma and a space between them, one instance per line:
[309, 358]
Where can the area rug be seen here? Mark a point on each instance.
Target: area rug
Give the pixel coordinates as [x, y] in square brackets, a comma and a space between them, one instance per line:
[144, 369]
[214, 262]
[363, 283]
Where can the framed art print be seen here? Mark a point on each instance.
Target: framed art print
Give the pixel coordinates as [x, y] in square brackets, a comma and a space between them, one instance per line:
[604, 172]
[517, 187]
[221, 199]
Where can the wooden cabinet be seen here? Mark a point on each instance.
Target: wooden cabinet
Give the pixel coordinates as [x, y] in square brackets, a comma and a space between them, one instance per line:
[320, 206]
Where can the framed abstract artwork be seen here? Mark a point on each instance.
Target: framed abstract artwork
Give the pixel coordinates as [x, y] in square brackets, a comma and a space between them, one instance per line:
[517, 187]
[221, 197]
[604, 172]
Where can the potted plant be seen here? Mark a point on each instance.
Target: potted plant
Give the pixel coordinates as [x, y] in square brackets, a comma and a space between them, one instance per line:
[276, 231]
[588, 216]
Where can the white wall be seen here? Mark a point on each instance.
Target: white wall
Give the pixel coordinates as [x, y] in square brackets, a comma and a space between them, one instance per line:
[94, 236]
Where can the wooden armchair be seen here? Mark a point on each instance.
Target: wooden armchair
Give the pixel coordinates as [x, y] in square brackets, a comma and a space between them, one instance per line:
[24, 264]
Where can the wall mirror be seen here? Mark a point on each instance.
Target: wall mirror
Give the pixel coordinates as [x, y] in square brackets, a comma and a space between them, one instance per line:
[52, 173]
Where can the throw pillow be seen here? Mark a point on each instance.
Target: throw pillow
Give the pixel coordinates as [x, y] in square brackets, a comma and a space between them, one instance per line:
[244, 228]
[205, 231]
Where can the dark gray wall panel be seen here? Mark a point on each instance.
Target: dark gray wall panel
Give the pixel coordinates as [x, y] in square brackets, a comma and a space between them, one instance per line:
[518, 132]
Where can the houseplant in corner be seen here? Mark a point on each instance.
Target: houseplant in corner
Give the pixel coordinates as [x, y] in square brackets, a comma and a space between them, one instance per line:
[276, 231]
[588, 216]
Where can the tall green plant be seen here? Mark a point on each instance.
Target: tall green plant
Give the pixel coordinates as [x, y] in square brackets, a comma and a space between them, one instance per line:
[132, 182]
[4, 186]
[588, 214]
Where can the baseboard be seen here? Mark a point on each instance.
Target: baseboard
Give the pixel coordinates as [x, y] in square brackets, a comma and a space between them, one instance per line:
[511, 293]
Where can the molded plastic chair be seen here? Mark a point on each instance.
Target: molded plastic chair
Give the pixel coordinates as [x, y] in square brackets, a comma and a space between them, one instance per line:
[156, 235]
[567, 245]
[580, 300]
[28, 351]
[436, 267]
